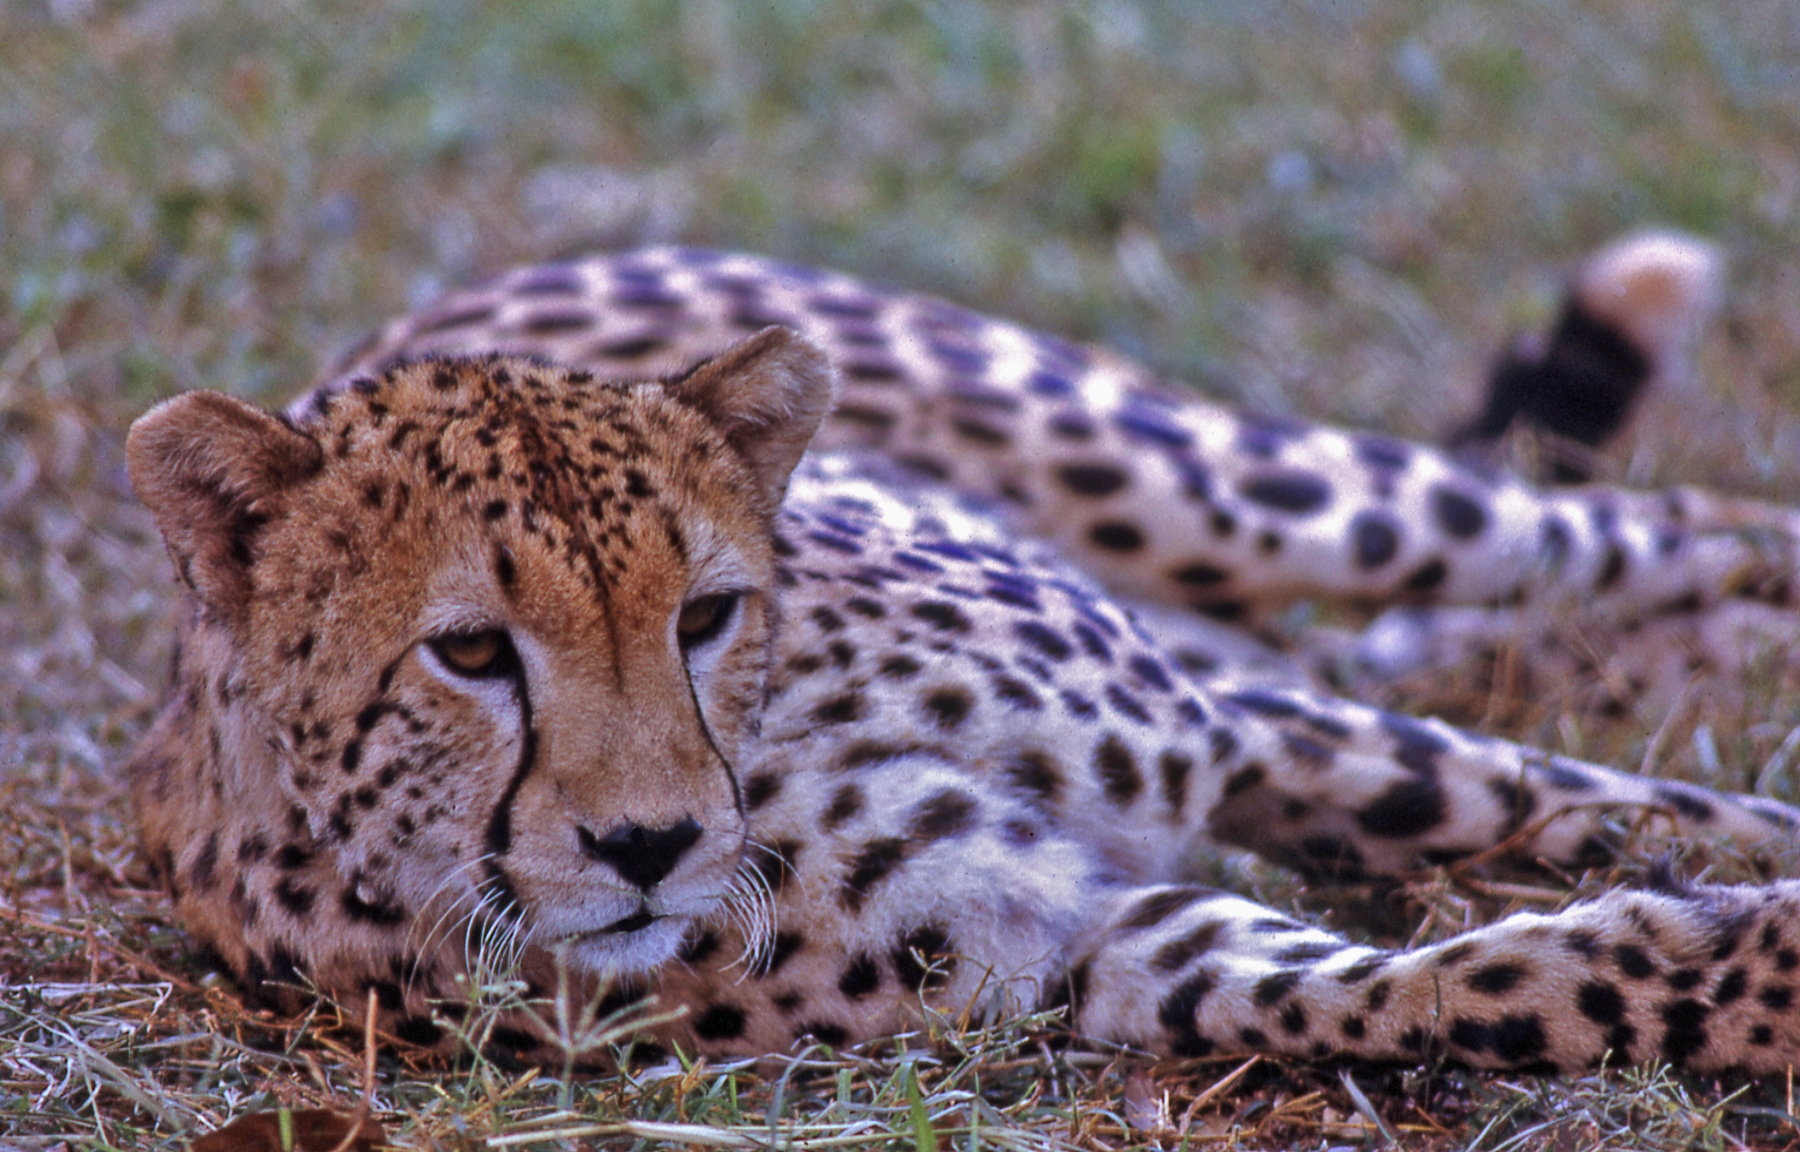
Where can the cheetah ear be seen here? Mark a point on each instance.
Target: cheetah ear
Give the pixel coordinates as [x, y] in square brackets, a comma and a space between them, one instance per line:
[213, 470]
[767, 394]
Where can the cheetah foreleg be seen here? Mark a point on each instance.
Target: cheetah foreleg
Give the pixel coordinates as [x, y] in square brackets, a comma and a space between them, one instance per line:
[1703, 978]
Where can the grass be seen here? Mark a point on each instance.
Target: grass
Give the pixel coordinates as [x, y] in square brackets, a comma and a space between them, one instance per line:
[1330, 209]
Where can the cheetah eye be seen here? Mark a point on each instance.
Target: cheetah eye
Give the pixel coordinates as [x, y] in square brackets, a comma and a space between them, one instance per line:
[476, 654]
[703, 618]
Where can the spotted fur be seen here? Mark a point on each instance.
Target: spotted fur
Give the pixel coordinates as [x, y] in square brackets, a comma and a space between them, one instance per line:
[531, 638]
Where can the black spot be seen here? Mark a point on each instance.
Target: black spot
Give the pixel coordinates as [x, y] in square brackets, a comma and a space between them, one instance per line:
[1377, 997]
[900, 667]
[1273, 987]
[1199, 575]
[946, 814]
[1150, 672]
[1684, 1022]
[1511, 1038]
[868, 867]
[296, 898]
[775, 863]
[1731, 986]
[380, 908]
[873, 371]
[760, 788]
[1305, 953]
[698, 948]
[1417, 745]
[1178, 953]
[504, 570]
[1245, 778]
[1036, 775]
[829, 1034]
[1565, 775]
[1309, 752]
[1611, 568]
[1126, 704]
[839, 709]
[1147, 423]
[949, 707]
[943, 616]
[781, 951]
[922, 960]
[1044, 639]
[1158, 906]
[1633, 962]
[720, 1022]
[633, 348]
[1600, 1003]
[1264, 703]
[1016, 694]
[511, 1041]
[1118, 770]
[1116, 536]
[1362, 970]
[1354, 1027]
[1288, 491]
[1094, 480]
[1685, 801]
[1374, 539]
[865, 607]
[1174, 768]
[203, 876]
[1381, 453]
[1496, 979]
[861, 977]
[978, 432]
[1459, 515]
[416, 1030]
[1329, 855]
[1427, 577]
[455, 318]
[845, 804]
[1408, 808]
[1177, 1011]
[1093, 643]
[1776, 997]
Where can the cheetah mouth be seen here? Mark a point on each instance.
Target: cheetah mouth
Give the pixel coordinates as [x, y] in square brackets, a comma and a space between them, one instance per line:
[635, 922]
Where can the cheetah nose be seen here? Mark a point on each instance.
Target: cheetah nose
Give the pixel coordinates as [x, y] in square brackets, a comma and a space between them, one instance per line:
[641, 856]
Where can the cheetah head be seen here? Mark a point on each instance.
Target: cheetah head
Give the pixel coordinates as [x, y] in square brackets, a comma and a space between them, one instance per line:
[478, 642]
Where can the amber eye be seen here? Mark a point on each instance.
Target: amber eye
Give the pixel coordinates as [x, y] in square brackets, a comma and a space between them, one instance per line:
[704, 618]
[485, 653]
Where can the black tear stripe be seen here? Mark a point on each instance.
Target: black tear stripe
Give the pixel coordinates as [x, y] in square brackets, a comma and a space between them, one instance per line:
[499, 829]
[731, 772]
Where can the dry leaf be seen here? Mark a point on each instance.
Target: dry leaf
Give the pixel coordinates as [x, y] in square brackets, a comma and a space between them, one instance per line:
[309, 1130]
[1145, 1108]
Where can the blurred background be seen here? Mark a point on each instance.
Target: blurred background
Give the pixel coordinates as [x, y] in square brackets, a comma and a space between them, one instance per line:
[1338, 209]
[1335, 209]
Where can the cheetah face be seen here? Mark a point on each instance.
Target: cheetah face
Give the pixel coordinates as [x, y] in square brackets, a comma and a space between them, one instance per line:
[505, 629]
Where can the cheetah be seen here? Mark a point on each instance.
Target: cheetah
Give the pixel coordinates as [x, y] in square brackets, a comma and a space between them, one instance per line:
[692, 625]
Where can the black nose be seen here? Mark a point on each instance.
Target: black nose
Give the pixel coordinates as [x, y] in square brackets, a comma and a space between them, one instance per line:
[641, 856]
